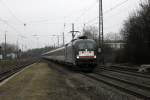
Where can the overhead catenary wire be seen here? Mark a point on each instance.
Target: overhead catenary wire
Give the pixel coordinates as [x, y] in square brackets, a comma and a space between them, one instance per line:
[116, 6]
[91, 21]
[17, 19]
[105, 12]
[10, 11]
[5, 22]
[109, 10]
[13, 28]
[85, 11]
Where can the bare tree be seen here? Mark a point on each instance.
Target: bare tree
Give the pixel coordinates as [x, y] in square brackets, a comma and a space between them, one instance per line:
[91, 32]
[10, 48]
[112, 37]
[136, 33]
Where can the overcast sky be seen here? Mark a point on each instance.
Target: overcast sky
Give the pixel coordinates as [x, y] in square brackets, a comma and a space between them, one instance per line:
[32, 22]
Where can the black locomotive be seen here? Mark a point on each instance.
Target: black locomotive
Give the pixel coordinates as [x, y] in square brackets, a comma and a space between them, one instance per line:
[81, 52]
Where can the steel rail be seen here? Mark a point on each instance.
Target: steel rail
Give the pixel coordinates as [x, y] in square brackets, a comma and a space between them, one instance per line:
[138, 74]
[124, 86]
[10, 72]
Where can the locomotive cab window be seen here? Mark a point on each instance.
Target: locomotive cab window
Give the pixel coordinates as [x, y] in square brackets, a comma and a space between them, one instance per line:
[86, 46]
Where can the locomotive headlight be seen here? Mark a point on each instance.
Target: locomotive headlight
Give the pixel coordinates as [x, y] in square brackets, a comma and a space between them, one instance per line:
[95, 56]
[77, 57]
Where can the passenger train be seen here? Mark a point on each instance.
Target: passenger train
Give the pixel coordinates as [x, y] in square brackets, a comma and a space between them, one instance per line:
[80, 52]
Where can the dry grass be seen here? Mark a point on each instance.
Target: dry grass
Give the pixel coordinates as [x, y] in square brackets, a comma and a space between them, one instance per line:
[38, 82]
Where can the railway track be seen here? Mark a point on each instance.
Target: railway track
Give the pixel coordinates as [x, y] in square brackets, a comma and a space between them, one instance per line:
[129, 77]
[126, 68]
[130, 87]
[138, 74]
[122, 85]
[130, 82]
[4, 75]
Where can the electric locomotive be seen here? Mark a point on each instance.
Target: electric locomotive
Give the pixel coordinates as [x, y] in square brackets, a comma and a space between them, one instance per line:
[80, 52]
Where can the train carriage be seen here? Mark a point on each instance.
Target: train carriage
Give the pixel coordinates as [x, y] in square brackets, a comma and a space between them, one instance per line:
[81, 52]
